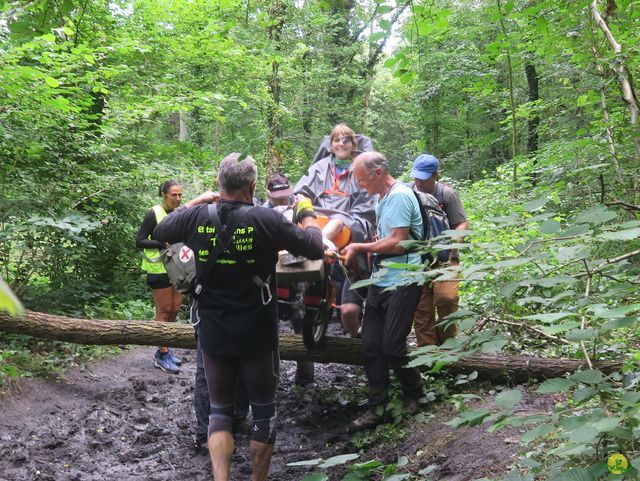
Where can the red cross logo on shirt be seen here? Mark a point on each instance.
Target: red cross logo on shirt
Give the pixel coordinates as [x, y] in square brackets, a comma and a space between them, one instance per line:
[185, 254]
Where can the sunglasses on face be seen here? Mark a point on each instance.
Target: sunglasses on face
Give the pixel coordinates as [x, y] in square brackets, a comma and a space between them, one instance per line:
[343, 140]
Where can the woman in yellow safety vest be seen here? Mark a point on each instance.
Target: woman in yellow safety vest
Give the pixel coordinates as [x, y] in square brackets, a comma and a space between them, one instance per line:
[165, 297]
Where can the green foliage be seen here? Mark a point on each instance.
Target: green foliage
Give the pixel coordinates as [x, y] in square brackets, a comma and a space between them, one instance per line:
[8, 301]
[23, 356]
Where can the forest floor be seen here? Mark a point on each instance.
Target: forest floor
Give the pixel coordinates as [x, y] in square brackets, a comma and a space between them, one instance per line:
[122, 419]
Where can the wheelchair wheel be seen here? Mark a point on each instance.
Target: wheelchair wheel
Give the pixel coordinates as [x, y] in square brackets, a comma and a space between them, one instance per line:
[314, 325]
[317, 312]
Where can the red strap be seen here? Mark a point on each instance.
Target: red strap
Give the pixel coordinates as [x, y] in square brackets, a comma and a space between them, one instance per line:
[335, 190]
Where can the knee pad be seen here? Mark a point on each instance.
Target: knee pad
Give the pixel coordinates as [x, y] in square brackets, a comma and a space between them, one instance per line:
[220, 418]
[264, 422]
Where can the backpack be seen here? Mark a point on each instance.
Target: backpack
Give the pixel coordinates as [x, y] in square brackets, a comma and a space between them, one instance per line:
[434, 224]
[180, 264]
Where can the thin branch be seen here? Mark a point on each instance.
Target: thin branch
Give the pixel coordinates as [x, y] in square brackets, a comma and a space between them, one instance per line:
[542, 241]
[530, 328]
[583, 320]
[624, 205]
[92, 195]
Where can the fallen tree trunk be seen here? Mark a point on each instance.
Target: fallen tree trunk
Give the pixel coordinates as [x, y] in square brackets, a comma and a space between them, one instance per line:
[336, 349]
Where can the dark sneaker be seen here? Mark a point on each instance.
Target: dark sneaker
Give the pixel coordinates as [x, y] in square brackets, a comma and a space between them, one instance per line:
[411, 406]
[202, 443]
[368, 420]
[162, 360]
[176, 360]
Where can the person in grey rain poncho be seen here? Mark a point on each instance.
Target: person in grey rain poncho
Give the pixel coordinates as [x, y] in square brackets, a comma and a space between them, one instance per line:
[334, 192]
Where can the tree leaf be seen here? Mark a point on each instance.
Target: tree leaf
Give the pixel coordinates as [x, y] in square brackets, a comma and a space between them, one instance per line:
[51, 82]
[583, 434]
[604, 312]
[555, 385]
[337, 460]
[550, 226]
[596, 215]
[536, 204]
[550, 317]
[493, 346]
[540, 430]
[583, 394]
[8, 301]
[557, 328]
[627, 234]
[618, 323]
[576, 474]
[508, 399]
[582, 334]
[606, 424]
[588, 376]
[579, 251]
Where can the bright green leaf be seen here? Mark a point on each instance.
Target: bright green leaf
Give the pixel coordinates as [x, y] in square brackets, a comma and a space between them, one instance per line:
[51, 82]
[8, 301]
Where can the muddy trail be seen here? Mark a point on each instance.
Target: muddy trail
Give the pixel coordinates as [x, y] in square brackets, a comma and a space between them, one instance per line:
[122, 419]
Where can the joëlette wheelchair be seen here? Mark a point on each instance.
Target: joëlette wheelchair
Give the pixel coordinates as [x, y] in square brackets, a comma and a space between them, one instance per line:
[306, 288]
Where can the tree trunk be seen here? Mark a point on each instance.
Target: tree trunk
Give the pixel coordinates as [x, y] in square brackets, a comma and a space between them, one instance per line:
[500, 367]
[625, 79]
[277, 10]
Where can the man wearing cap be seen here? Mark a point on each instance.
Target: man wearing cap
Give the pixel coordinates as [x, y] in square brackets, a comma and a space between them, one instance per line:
[279, 191]
[280, 194]
[438, 295]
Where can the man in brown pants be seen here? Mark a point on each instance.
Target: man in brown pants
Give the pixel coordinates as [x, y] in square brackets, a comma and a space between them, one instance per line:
[437, 295]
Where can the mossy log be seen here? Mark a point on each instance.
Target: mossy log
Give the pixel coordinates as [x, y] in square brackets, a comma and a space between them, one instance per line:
[497, 367]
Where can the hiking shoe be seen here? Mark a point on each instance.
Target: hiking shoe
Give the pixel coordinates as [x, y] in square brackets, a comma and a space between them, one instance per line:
[176, 360]
[411, 406]
[202, 444]
[368, 420]
[162, 360]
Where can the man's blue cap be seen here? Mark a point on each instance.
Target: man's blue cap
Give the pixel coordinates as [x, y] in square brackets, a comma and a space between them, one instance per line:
[424, 167]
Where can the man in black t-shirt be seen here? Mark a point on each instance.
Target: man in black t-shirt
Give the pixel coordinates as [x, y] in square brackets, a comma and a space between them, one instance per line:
[237, 313]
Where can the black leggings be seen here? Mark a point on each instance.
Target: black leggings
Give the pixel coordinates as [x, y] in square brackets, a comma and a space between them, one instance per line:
[260, 374]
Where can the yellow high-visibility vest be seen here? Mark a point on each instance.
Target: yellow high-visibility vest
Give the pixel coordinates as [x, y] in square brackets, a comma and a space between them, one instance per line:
[151, 262]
